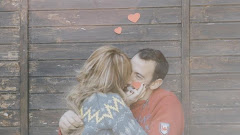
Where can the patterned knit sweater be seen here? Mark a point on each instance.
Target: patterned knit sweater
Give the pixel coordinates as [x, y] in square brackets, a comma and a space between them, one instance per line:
[107, 114]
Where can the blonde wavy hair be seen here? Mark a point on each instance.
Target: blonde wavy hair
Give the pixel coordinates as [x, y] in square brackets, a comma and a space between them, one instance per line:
[106, 70]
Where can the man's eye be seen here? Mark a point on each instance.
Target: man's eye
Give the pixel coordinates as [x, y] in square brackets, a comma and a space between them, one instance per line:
[138, 77]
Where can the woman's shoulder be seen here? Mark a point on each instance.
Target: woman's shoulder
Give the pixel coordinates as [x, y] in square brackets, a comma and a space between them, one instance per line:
[107, 96]
[102, 97]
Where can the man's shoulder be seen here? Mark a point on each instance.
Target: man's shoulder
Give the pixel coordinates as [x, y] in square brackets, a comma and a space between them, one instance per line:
[165, 96]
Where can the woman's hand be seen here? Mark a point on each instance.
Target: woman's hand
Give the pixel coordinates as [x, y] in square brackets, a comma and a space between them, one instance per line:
[70, 122]
[134, 95]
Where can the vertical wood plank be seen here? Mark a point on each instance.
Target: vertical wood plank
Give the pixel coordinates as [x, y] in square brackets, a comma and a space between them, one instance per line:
[185, 62]
[24, 68]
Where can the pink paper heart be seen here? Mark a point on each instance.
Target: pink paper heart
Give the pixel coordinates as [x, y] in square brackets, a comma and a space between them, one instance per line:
[118, 30]
[134, 17]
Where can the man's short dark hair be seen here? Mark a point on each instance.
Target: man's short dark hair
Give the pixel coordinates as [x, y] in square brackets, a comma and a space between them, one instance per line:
[161, 68]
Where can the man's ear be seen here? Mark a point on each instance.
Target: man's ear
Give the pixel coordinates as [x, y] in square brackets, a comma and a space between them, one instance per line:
[156, 84]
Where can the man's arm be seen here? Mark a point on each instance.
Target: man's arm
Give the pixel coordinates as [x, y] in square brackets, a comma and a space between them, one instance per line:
[169, 119]
[69, 122]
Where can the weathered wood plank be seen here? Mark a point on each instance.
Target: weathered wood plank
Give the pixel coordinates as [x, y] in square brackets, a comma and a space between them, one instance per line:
[9, 5]
[220, 99]
[215, 47]
[214, 2]
[9, 52]
[9, 68]
[215, 14]
[217, 64]
[215, 116]
[24, 67]
[45, 118]
[79, 4]
[9, 101]
[9, 130]
[105, 33]
[215, 30]
[185, 68]
[172, 83]
[168, 48]
[215, 82]
[84, 50]
[9, 118]
[9, 36]
[47, 101]
[52, 84]
[174, 65]
[68, 67]
[55, 68]
[214, 129]
[9, 19]
[10, 84]
[103, 17]
[43, 130]
[65, 51]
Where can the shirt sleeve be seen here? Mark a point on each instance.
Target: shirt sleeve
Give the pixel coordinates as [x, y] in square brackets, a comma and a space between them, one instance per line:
[124, 123]
[169, 119]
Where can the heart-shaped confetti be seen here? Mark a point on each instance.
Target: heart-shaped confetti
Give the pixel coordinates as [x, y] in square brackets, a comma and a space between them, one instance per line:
[118, 30]
[134, 17]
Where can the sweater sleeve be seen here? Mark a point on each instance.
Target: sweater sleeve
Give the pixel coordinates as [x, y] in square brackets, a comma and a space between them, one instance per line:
[124, 123]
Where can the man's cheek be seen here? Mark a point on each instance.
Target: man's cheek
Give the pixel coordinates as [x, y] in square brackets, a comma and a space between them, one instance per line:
[136, 85]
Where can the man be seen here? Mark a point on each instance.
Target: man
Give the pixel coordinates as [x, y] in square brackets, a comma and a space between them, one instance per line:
[158, 111]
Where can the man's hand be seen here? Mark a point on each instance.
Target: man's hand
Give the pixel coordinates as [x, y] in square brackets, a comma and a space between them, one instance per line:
[133, 95]
[69, 122]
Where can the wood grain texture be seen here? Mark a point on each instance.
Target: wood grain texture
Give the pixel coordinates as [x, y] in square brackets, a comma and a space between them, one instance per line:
[9, 52]
[214, 2]
[79, 4]
[9, 130]
[9, 36]
[45, 118]
[9, 68]
[9, 84]
[9, 101]
[9, 5]
[103, 17]
[215, 99]
[215, 14]
[55, 68]
[47, 101]
[215, 30]
[43, 130]
[9, 118]
[9, 19]
[185, 69]
[215, 82]
[205, 116]
[105, 33]
[215, 129]
[84, 50]
[215, 47]
[52, 84]
[216, 64]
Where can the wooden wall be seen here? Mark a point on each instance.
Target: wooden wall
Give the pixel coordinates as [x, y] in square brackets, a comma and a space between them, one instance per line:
[215, 67]
[200, 39]
[9, 67]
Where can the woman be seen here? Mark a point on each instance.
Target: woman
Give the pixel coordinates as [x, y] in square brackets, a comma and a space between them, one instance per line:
[99, 96]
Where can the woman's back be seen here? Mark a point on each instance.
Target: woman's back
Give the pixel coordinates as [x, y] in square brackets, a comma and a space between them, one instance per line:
[106, 113]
